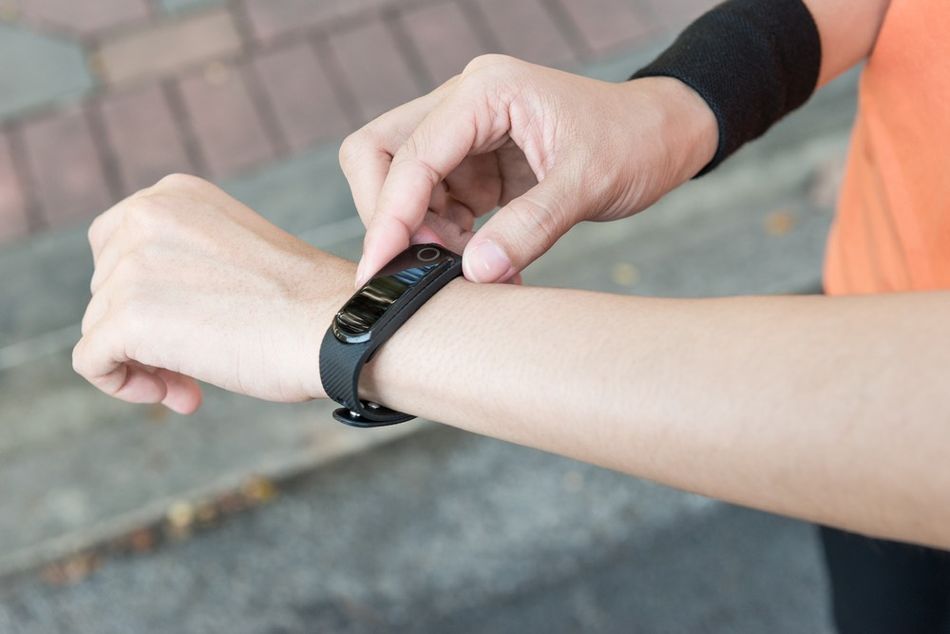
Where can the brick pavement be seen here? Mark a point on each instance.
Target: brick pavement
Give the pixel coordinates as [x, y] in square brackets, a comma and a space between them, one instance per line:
[102, 97]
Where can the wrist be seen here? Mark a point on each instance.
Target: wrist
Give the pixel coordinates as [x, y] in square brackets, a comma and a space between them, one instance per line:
[327, 288]
[396, 370]
[687, 127]
[379, 381]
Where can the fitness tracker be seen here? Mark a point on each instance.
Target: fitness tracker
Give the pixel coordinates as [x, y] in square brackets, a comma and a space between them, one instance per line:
[369, 319]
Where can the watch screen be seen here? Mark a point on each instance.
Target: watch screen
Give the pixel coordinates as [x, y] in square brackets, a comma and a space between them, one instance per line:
[358, 316]
[371, 301]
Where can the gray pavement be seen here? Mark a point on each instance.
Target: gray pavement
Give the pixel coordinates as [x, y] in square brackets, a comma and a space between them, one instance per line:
[449, 532]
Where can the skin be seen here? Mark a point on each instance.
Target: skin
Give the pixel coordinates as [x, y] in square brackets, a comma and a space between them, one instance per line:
[796, 405]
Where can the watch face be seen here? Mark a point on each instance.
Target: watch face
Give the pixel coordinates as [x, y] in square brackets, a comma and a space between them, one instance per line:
[354, 322]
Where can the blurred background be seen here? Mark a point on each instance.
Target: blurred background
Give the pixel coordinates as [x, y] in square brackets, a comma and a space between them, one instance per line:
[253, 517]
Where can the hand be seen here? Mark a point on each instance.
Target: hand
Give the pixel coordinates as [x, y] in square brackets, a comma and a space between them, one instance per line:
[553, 149]
[191, 284]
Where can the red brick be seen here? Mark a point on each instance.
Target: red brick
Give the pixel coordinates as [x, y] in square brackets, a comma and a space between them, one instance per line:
[142, 132]
[13, 223]
[302, 96]
[444, 38]
[374, 68]
[607, 24]
[168, 47]
[525, 29]
[676, 14]
[225, 120]
[271, 18]
[83, 16]
[68, 177]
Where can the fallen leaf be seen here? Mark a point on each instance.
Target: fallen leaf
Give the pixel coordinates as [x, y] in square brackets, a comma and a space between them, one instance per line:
[779, 223]
[625, 274]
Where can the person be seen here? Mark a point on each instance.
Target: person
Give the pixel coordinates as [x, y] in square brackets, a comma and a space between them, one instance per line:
[834, 409]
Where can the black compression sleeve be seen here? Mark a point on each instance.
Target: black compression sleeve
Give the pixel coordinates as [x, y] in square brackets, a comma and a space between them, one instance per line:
[752, 61]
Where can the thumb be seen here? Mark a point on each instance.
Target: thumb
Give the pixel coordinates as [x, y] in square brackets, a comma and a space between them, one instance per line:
[520, 232]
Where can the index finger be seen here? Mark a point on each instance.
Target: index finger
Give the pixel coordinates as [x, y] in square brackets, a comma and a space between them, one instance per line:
[366, 154]
[457, 127]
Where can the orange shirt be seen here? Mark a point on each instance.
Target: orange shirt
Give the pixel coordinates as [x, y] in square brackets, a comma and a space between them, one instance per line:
[892, 231]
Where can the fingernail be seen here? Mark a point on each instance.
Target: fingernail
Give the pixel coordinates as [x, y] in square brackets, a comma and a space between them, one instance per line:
[359, 274]
[488, 262]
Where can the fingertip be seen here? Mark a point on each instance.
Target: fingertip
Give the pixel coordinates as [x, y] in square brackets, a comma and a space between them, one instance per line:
[485, 262]
[426, 235]
[360, 275]
[384, 241]
[183, 394]
[185, 405]
[366, 269]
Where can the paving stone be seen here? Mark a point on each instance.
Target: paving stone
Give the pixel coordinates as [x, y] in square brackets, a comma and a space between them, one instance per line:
[173, 6]
[65, 167]
[445, 40]
[527, 30]
[607, 25]
[38, 70]
[144, 136]
[374, 68]
[83, 17]
[272, 18]
[13, 223]
[225, 121]
[170, 46]
[302, 96]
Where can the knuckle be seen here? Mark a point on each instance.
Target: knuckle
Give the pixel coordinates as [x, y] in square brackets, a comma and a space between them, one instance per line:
[149, 212]
[84, 357]
[78, 359]
[178, 180]
[92, 309]
[94, 231]
[142, 210]
[355, 146]
[348, 148]
[412, 155]
[413, 147]
[169, 183]
[540, 220]
[96, 281]
[127, 315]
[86, 323]
[490, 61]
[130, 269]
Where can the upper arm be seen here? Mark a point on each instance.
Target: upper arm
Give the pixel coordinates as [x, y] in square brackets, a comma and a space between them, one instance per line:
[848, 30]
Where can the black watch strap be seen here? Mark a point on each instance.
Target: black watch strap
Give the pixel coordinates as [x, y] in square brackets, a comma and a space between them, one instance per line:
[342, 362]
[752, 62]
[340, 367]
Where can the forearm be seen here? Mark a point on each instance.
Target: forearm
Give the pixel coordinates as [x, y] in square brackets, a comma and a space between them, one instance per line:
[834, 410]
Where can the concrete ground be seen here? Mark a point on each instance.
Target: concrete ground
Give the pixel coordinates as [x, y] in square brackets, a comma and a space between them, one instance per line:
[448, 532]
